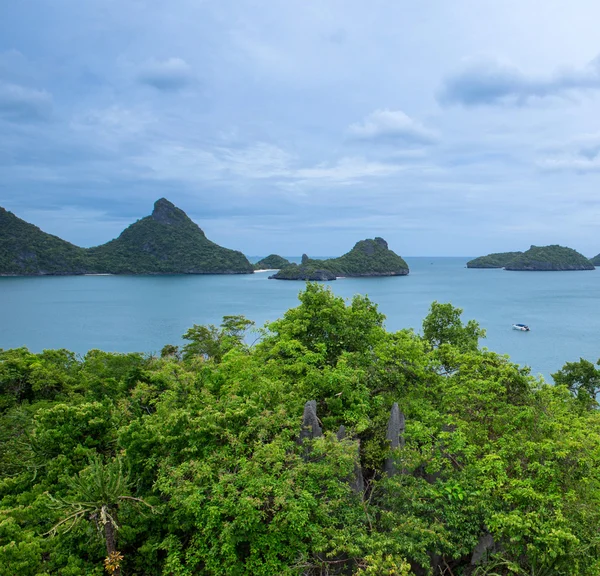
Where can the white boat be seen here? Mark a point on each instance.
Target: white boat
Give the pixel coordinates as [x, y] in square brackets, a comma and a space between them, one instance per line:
[521, 327]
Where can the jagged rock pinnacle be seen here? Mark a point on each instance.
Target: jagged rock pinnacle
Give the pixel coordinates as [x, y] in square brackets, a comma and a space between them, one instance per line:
[166, 212]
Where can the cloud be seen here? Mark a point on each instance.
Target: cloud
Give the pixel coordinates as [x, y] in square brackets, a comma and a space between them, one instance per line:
[347, 170]
[570, 163]
[392, 126]
[580, 154]
[168, 75]
[491, 82]
[20, 104]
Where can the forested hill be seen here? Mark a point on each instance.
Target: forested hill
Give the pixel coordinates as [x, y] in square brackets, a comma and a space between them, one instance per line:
[550, 258]
[370, 257]
[26, 250]
[166, 242]
[537, 258]
[272, 262]
[496, 260]
[332, 446]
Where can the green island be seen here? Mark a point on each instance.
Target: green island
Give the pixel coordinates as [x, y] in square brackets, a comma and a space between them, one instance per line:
[329, 446]
[595, 260]
[497, 260]
[26, 250]
[166, 242]
[367, 258]
[272, 262]
[551, 258]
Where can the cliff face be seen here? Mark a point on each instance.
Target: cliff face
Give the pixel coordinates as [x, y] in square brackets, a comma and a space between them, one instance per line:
[370, 257]
[549, 259]
[166, 242]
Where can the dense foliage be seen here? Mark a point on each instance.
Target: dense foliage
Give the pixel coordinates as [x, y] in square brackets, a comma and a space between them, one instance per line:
[167, 242]
[497, 260]
[191, 463]
[25, 249]
[272, 262]
[552, 257]
[537, 258]
[367, 258]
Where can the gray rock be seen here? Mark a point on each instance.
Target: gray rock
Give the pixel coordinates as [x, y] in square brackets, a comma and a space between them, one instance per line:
[357, 482]
[394, 435]
[484, 548]
[310, 422]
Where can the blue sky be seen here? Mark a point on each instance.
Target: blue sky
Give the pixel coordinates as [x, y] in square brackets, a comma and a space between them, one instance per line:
[448, 128]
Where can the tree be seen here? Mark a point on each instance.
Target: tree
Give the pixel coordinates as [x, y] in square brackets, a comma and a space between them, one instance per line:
[210, 342]
[323, 323]
[443, 325]
[97, 494]
[581, 378]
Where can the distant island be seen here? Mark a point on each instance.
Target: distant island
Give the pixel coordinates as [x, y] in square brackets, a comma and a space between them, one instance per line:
[370, 257]
[166, 242]
[497, 260]
[272, 262]
[552, 258]
[595, 260]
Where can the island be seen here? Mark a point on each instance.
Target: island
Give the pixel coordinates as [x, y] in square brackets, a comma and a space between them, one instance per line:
[497, 260]
[272, 262]
[552, 258]
[370, 257]
[166, 242]
[595, 260]
[25, 250]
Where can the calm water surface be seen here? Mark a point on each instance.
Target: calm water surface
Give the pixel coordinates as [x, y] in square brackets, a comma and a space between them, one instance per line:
[142, 313]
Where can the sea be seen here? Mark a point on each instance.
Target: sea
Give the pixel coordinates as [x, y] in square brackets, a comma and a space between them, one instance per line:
[143, 313]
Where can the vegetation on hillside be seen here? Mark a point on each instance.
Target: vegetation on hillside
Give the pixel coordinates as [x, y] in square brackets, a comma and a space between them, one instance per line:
[595, 260]
[497, 260]
[25, 249]
[537, 258]
[547, 258]
[167, 242]
[191, 463]
[272, 262]
[367, 258]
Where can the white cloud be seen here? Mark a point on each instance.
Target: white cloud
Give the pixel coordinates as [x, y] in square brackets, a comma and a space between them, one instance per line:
[570, 163]
[347, 170]
[393, 126]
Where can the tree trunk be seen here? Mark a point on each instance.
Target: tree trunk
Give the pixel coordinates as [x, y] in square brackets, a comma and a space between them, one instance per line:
[110, 533]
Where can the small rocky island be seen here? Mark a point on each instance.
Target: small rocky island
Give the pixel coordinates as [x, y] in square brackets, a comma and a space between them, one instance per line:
[595, 260]
[552, 258]
[370, 257]
[166, 242]
[272, 262]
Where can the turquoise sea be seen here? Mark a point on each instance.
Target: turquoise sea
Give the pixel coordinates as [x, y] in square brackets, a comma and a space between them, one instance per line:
[142, 313]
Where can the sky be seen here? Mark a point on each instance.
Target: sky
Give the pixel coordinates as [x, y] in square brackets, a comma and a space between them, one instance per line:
[447, 128]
